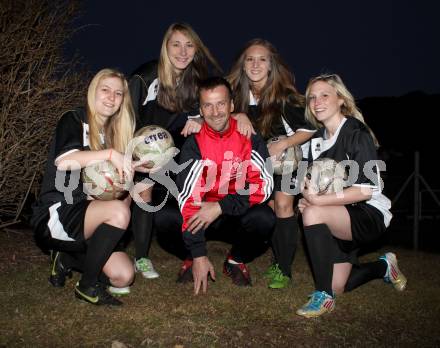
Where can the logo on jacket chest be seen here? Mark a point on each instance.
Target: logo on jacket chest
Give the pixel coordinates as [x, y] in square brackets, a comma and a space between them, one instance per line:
[231, 167]
[317, 147]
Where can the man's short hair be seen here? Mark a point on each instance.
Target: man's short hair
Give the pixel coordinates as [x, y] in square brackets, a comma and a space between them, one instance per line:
[213, 82]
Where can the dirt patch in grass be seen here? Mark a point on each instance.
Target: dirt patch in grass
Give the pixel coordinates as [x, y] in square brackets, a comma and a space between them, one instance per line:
[161, 313]
[18, 249]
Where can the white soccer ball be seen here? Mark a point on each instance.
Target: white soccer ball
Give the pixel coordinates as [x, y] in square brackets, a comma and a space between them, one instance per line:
[101, 181]
[287, 161]
[325, 175]
[154, 144]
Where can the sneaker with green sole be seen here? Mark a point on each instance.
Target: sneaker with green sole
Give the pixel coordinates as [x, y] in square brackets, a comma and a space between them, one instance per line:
[279, 280]
[271, 271]
[115, 291]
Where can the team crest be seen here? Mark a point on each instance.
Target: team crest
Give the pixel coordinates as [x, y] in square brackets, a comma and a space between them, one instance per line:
[236, 168]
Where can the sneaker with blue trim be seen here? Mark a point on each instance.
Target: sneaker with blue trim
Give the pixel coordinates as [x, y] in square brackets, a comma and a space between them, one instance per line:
[145, 266]
[320, 302]
[279, 280]
[393, 274]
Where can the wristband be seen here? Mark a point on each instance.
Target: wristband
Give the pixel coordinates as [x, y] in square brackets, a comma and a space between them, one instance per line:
[192, 117]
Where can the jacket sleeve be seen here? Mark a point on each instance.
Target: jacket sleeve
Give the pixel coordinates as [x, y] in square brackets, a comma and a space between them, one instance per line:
[363, 151]
[69, 134]
[258, 184]
[295, 118]
[138, 86]
[191, 182]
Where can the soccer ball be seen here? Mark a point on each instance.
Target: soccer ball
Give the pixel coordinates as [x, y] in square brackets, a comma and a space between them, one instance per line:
[155, 144]
[287, 161]
[326, 176]
[101, 181]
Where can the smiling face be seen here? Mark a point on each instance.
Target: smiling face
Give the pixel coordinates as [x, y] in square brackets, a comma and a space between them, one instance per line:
[257, 65]
[216, 107]
[108, 97]
[180, 51]
[324, 102]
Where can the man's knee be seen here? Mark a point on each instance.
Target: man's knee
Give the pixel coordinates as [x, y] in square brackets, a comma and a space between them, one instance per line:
[259, 219]
[167, 218]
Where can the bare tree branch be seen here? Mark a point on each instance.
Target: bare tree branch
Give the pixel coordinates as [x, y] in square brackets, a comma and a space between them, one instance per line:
[37, 84]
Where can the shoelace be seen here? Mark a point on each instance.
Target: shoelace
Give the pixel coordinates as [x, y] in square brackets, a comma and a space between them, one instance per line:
[278, 274]
[143, 265]
[269, 273]
[317, 298]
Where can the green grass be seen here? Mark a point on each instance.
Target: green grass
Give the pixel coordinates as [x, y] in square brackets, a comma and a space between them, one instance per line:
[161, 313]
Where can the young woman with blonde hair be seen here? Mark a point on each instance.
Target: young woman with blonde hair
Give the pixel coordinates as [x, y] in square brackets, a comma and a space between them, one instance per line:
[337, 224]
[81, 232]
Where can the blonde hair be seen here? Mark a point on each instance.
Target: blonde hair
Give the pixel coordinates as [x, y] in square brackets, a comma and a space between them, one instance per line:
[348, 108]
[182, 96]
[118, 131]
[278, 90]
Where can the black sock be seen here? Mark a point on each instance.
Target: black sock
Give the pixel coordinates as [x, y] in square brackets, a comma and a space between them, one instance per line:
[363, 273]
[142, 226]
[72, 260]
[100, 247]
[322, 247]
[103, 279]
[284, 242]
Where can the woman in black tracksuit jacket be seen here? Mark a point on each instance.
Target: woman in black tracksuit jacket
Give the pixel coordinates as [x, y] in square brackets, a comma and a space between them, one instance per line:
[164, 93]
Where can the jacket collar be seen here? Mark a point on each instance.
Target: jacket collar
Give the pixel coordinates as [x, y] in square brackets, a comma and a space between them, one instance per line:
[214, 134]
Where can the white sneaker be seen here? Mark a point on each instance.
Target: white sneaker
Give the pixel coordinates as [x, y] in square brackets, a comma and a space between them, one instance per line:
[145, 266]
[393, 274]
[119, 291]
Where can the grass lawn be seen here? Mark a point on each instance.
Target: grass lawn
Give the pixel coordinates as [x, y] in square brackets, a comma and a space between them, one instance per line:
[161, 313]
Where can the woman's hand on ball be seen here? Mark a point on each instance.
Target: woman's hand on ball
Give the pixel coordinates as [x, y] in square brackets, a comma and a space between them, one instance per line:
[124, 169]
[276, 148]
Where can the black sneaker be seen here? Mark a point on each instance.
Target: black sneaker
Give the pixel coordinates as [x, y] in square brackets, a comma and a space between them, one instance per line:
[58, 272]
[185, 273]
[237, 272]
[96, 295]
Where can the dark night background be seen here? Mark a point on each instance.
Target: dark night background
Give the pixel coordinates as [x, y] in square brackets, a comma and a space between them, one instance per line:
[381, 48]
[385, 51]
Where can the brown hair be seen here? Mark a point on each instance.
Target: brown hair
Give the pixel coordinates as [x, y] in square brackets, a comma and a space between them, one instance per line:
[179, 93]
[278, 90]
